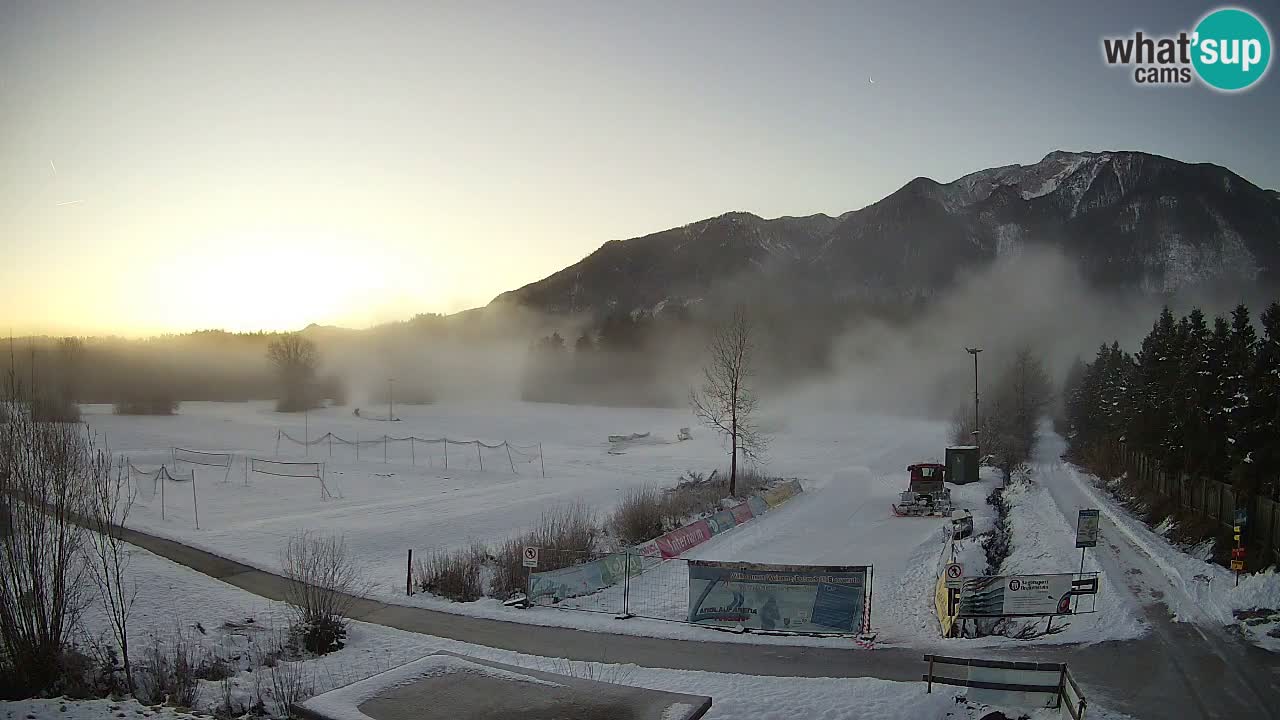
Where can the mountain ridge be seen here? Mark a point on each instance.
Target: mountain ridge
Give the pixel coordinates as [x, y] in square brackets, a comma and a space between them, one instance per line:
[1132, 220]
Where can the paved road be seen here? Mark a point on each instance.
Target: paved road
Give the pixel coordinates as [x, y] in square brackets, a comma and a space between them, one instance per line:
[1179, 670]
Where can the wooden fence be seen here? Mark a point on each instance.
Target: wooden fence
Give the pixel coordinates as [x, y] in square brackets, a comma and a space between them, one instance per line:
[1210, 499]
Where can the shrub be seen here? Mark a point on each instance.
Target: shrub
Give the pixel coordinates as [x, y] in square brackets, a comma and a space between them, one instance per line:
[156, 400]
[566, 535]
[291, 683]
[55, 408]
[640, 515]
[452, 574]
[324, 582]
[168, 672]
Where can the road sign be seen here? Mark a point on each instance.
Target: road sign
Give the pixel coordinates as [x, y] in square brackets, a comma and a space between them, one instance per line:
[1237, 553]
[1237, 565]
[1087, 529]
[955, 575]
[531, 557]
[1242, 516]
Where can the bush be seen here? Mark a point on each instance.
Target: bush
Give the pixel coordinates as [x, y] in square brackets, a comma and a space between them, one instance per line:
[452, 574]
[169, 671]
[152, 401]
[54, 407]
[640, 515]
[324, 582]
[566, 535]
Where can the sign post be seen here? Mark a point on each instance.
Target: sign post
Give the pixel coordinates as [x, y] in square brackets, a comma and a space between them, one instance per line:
[530, 561]
[1237, 552]
[955, 575]
[1086, 537]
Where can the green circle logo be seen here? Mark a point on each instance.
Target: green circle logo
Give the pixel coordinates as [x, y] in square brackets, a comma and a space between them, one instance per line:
[1232, 49]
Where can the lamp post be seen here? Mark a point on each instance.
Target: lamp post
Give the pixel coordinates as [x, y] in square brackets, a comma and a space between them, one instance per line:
[391, 399]
[976, 423]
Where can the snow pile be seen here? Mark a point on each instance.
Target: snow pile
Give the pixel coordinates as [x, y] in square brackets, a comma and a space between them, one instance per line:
[1044, 543]
[1207, 592]
[344, 703]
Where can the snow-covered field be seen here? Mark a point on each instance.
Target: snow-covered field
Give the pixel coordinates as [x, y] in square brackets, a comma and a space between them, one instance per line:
[173, 598]
[852, 468]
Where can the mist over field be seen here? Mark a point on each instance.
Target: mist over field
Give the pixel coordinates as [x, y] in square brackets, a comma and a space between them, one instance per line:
[907, 358]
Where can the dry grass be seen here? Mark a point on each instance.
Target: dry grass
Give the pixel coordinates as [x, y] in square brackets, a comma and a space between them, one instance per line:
[566, 535]
[453, 574]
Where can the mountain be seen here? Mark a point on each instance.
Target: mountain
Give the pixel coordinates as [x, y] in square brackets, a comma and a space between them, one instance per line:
[1133, 221]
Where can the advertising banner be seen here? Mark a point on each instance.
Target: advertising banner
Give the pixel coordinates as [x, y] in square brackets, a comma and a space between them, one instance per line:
[677, 541]
[567, 582]
[785, 598]
[1016, 595]
[741, 513]
[584, 578]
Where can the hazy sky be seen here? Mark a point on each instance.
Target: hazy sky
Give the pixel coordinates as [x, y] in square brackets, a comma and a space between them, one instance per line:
[269, 164]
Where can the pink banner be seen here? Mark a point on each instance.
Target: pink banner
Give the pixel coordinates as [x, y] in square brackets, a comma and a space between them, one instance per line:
[677, 541]
[741, 513]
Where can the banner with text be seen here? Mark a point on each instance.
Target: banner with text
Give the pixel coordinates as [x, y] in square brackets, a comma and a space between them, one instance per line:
[785, 598]
[987, 596]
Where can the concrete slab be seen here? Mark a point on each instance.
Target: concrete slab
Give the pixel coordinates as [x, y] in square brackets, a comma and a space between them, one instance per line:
[457, 687]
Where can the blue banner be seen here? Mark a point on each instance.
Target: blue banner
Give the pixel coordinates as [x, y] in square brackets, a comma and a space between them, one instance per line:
[785, 598]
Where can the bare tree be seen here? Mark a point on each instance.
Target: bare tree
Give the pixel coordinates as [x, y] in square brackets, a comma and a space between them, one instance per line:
[295, 359]
[324, 583]
[44, 492]
[111, 500]
[726, 402]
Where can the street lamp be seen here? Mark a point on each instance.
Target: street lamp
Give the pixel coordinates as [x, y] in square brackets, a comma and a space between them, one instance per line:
[974, 352]
[391, 399]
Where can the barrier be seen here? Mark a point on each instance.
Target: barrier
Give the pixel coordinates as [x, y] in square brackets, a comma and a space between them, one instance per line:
[650, 580]
[1003, 682]
[202, 457]
[280, 468]
[510, 453]
[785, 598]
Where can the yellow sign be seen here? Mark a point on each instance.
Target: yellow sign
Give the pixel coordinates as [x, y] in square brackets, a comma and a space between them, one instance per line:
[941, 602]
[1237, 564]
[1237, 536]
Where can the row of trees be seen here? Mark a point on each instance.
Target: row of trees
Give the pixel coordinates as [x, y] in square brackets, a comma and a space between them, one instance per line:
[1202, 400]
[1009, 417]
[614, 365]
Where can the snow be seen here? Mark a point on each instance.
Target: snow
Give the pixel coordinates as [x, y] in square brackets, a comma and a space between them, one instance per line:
[173, 597]
[343, 703]
[1203, 592]
[852, 468]
[66, 709]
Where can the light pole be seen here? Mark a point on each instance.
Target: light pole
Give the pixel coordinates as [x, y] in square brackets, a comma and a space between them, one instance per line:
[391, 399]
[976, 423]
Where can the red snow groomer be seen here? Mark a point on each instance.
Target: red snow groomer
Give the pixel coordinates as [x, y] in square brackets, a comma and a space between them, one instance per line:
[926, 494]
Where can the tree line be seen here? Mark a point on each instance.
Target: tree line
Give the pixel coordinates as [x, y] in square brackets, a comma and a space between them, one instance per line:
[1201, 400]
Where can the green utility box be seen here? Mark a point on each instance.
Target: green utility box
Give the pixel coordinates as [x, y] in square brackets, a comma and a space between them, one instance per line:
[962, 464]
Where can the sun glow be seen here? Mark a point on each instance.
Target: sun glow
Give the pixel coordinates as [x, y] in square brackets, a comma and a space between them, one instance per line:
[271, 280]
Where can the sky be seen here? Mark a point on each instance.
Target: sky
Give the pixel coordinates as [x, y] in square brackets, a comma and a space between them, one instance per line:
[169, 166]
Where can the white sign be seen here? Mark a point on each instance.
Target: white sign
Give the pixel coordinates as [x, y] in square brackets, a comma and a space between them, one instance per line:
[955, 575]
[1087, 529]
[1037, 594]
[531, 557]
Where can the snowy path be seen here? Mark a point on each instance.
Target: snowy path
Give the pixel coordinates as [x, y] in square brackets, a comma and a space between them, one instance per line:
[1192, 665]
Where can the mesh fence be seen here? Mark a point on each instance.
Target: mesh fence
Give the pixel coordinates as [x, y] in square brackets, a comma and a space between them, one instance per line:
[621, 583]
[444, 453]
[280, 468]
